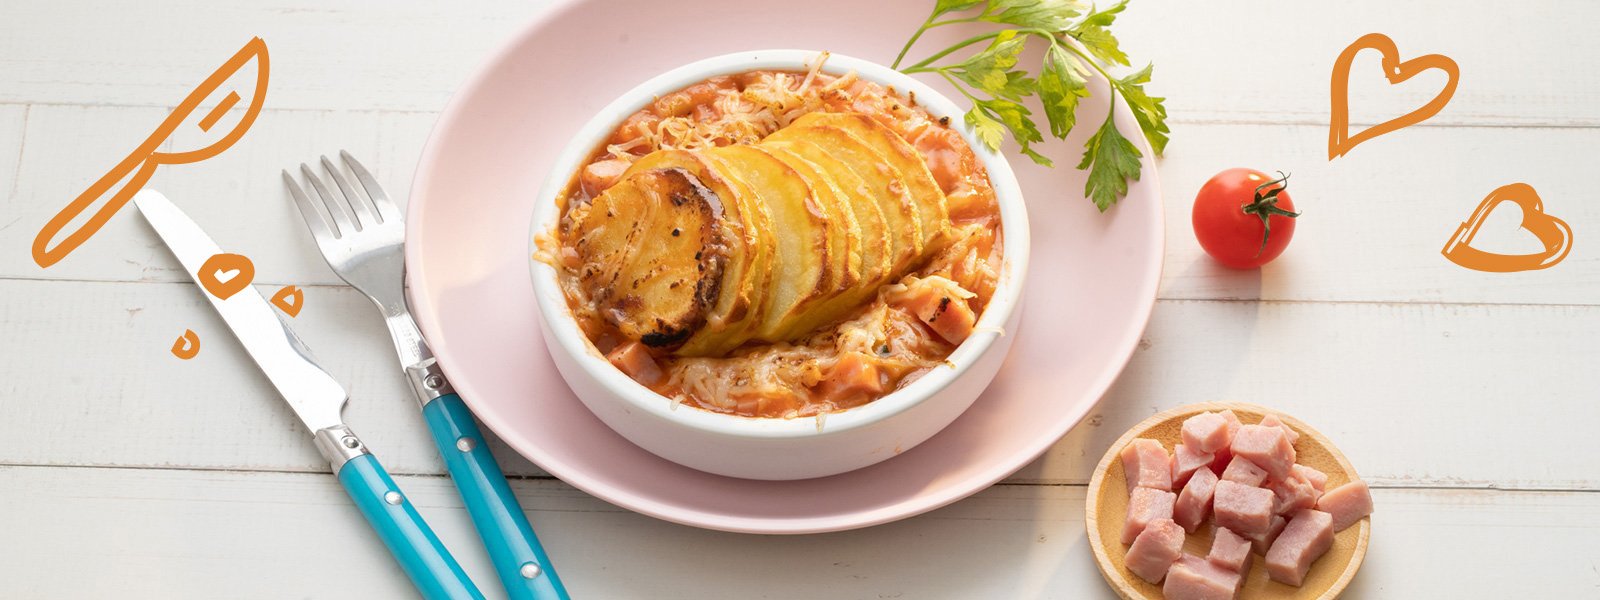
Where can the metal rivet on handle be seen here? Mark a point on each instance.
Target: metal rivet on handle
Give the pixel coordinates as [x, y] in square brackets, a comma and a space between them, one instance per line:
[466, 444]
[530, 570]
[351, 442]
[433, 381]
[393, 497]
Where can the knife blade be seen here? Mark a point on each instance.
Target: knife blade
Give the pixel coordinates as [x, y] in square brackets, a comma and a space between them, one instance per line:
[317, 399]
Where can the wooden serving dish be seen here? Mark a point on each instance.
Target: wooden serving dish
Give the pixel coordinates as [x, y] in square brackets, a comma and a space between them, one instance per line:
[1107, 508]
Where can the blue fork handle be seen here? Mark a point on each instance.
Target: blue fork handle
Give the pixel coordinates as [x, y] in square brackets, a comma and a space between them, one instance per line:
[424, 559]
[524, 569]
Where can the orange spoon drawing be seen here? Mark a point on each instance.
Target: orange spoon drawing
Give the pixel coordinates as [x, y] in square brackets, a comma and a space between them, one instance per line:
[1339, 139]
[141, 164]
[1551, 231]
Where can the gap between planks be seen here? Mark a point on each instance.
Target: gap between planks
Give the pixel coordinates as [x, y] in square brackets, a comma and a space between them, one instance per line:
[1483, 487]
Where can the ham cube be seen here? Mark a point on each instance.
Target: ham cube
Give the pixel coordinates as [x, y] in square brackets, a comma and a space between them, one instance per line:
[1206, 432]
[1260, 542]
[1194, 578]
[1348, 503]
[1154, 550]
[1229, 551]
[1293, 494]
[1146, 506]
[1241, 470]
[1185, 461]
[1274, 421]
[1267, 447]
[1145, 464]
[1194, 502]
[1306, 538]
[1233, 423]
[1317, 478]
[1242, 508]
[1221, 460]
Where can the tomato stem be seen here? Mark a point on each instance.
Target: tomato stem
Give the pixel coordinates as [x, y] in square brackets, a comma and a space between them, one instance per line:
[1265, 205]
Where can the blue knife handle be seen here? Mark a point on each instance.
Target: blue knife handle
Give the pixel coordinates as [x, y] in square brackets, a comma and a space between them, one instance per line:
[425, 560]
[524, 569]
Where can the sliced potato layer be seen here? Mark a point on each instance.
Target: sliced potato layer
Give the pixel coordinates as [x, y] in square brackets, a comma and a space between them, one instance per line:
[704, 251]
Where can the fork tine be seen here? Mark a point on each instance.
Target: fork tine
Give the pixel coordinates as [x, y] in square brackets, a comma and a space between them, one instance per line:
[308, 213]
[364, 215]
[341, 221]
[386, 208]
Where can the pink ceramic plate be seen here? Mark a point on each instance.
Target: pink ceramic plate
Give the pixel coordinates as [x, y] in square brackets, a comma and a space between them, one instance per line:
[1090, 290]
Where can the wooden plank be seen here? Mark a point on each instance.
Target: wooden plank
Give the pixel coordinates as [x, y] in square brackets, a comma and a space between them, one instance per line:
[406, 55]
[162, 533]
[1431, 371]
[1235, 70]
[1376, 220]
[238, 196]
[1387, 209]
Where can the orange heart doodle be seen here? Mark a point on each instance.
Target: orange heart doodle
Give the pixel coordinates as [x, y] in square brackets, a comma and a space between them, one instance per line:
[1339, 139]
[289, 300]
[187, 345]
[223, 275]
[1551, 231]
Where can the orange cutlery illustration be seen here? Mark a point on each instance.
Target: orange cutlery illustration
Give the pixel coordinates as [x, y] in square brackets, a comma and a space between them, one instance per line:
[141, 164]
[289, 299]
[1339, 139]
[1552, 232]
[187, 345]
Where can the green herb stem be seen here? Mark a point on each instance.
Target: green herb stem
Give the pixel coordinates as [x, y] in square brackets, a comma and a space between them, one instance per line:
[918, 68]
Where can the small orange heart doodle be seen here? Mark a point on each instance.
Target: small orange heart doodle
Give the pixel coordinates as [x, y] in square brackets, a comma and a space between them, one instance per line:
[289, 300]
[1339, 139]
[1551, 231]
[187, 345]
[223, 275]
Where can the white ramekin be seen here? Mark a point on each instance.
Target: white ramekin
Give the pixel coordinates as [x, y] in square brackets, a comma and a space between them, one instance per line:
[775, 448]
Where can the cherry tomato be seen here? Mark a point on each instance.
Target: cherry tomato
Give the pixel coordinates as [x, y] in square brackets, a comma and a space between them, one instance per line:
[1244, 218]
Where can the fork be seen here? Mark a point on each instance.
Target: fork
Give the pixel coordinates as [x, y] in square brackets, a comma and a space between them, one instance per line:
[362, 237]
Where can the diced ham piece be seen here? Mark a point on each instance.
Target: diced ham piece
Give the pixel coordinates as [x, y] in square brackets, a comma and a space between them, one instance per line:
[1348, 504]
[1233, 423]
[1293, 494]
[1267, 447]
[1155, 549]
[1274, 421]
[1241, 470]
[1229, 551]
[1194, 502]
[1185, 461]
[1260, 542]
[1242, 508]
[1146, 464]
[1220, 460]
[1206, 432]
[1308, 535]
[1317, 478]
[1194, 578]
[1145, 506]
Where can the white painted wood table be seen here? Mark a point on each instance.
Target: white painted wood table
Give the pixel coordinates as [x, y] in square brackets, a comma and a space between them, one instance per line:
[1470, 400]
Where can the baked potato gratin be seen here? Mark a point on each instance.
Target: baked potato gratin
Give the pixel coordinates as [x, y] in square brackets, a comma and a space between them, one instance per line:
[778, 244]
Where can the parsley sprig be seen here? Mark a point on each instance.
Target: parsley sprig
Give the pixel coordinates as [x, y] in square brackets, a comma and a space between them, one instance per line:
[1080, 44]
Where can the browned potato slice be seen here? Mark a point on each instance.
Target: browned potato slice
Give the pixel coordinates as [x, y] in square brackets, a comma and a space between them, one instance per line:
[748, 246]
[900, 153]
[842, 221]
[877, 240]
[800, 277]
[882, 180]
[657, 292]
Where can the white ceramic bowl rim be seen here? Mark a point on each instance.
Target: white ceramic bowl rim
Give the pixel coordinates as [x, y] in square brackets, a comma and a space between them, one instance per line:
[556, 312]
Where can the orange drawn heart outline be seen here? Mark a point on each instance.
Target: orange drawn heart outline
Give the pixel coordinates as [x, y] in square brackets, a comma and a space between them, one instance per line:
[1339, 139]
[1553, 232]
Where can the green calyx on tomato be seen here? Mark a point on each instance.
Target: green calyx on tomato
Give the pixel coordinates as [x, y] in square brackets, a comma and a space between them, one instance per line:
[1265, 204]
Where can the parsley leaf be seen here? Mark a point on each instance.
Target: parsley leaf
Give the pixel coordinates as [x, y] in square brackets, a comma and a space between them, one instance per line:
[1148, 111]
[989, 131]
[1015, 117]
[950, 6]
[1092, 32]
[1061, 84]
[1049, 15]
[988, 70]
[1112, 160]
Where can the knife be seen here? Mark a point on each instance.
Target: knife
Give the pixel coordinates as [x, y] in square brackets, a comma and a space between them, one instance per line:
[318, 400]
